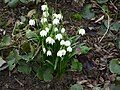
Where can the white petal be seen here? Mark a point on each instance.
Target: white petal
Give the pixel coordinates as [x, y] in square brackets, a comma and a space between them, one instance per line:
[63, 30]
[81, 31]
[44, 7]
[56, 22]
[55, 29]
[49, 53]
[62, 42]
[32, 22]
[69, 49]
[43, 33]
[44, 50]
[47, 29]
[58, 37]
[67, 43]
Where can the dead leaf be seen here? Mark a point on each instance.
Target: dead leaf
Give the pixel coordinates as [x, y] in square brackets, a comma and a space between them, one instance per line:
[31, 12]
[2, 61]
[10, 21]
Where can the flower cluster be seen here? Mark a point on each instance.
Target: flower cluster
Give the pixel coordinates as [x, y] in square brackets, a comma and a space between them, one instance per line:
[53, 34]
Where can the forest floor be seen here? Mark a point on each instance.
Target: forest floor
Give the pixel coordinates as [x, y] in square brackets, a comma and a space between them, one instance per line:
[95, 71]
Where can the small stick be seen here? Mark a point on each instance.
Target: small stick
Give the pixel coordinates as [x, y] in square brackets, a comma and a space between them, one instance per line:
[108, 26]
[19, 82]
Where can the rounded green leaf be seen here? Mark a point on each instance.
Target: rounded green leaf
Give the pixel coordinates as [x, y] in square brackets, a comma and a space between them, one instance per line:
[76, 87]
[47, 75]
[114, 66]
[13, 3]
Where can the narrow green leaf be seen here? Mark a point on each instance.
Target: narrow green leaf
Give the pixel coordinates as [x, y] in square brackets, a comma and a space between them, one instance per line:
[102, 1]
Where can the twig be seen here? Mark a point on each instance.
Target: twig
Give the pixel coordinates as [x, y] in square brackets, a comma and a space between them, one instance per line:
[36, 52]
[19, 82]
[108, 26]
[113, 5]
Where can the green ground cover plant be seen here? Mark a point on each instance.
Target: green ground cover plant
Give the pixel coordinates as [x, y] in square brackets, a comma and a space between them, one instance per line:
[42, 46]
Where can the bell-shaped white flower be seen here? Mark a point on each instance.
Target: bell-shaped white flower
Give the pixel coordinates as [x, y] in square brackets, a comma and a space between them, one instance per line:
[55, 29]
[44, 50]
[59, 16]
[69, 49]
[49, 25]
[56, 21]
[31, 22]
[62, 42]
[61, 53]
[50, 40]
[44, 7]
[63, 30]
[67, 43]
[45, 14]
[43, 20]
[43, 33]
[81, 31]
[58, 37]
[54, 15]
[47, 29]
[49, 53]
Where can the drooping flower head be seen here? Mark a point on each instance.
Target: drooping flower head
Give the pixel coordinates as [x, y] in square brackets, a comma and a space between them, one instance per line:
[81, 31]
[32, 22]
[58, 37]
[43, 20]
[44, 7]
[50, 40]
[56, 21]
[49, 53]
[69, 49]
[43, 33]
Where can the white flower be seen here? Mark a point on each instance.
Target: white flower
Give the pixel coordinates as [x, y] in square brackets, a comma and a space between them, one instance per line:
[43, 33]
[58, 16]
[45, 14]
[43, 20]
[44, 50]
[62, 30]
[32, 22]
[67, 43]
[47, 29]
[58, 37]
[50, 40]
[62, 42]
[49, 25]
[49, 53]
[55, 29]
[81, 31]
[44, 7]
[61, 53]
[55, 21]
[69, 49]
[54, 15]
